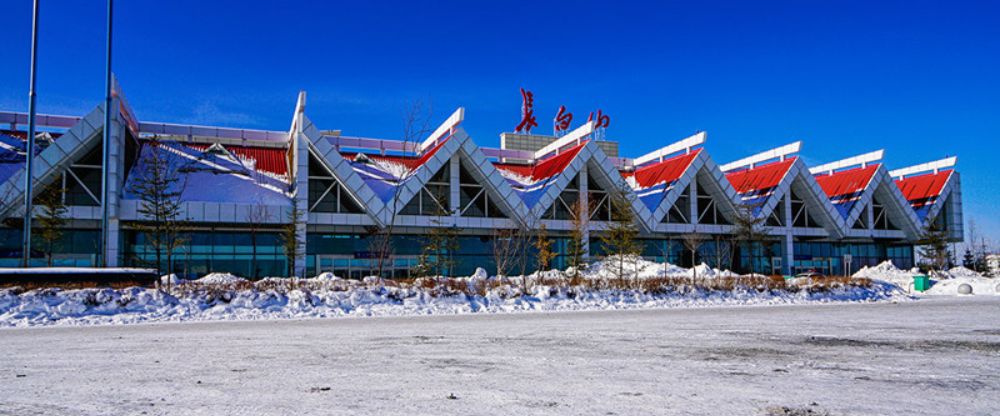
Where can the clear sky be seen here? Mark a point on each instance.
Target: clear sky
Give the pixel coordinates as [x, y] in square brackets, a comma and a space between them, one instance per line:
[920, 79]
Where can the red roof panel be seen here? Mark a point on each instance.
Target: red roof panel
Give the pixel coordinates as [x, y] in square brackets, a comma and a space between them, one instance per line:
[667, 171]
[922, 187]
[268, 159]
[545, 168]
[411, 162]
[760, 177]
[847, 182]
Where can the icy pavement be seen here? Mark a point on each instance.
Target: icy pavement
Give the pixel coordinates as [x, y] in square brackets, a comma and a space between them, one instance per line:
[930, 357]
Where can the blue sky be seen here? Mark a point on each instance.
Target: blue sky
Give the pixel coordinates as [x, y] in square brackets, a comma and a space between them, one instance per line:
[917, 78]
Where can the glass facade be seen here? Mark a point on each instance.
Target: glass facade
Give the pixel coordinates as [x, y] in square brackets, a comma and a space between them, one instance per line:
[717, 253]
[203, 252]
[351, 254]
[828, 257]
[76, 248]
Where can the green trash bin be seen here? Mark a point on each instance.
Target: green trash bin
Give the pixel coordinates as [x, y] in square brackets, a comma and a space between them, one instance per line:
[921, 283]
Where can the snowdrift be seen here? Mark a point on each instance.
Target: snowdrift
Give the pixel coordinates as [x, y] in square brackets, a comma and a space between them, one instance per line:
[227, 297]
[942, 283]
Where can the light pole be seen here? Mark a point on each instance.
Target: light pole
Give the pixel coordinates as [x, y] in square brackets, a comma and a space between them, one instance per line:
[103, 243]
[30, 145]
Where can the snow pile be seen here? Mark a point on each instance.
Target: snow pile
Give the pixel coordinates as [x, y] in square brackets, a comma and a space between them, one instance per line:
[171, 279]
[888, 272]
[638, 267]
[220, 279]
[221, 296]
[942, 283]
[960, 271]
[980, 286]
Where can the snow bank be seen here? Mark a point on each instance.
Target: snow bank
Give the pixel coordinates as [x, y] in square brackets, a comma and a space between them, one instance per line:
[221, 296]
[960, 271]
[644, 269]
[942, 283]
[220, 279]
[980, 286]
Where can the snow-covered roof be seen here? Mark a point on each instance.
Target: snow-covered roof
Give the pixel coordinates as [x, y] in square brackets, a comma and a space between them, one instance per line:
[530, 181]
[207, 176]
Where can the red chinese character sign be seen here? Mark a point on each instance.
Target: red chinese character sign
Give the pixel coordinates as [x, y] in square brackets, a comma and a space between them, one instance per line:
[601, 122]
[560, 124]
[527, 113]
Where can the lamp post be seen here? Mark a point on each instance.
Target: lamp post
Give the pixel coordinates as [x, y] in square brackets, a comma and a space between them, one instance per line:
[30, 145]
[106, 142]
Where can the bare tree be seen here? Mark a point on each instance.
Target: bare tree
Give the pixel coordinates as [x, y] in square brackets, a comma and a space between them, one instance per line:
[292, 245]
[416, 125]
[619, 239]
[693, 242]
[934, 247]
[160, 186]
[52, 219]
[749, 229]
[575, 250]
[256, 218]
[666, 250]
[543, 248]
[440, 245]
[506, 246]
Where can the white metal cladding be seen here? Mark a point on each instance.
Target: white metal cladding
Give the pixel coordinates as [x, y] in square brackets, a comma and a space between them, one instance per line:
[613, 181]
[861, 160]
[571, 138]
[925, 167]
[799, 178]
[668, 150]
[449, 125]
[330, 157]
[776, 153]
[487, 175]
[72, 145]
[305, 139]
[702, 164]
[890, 196]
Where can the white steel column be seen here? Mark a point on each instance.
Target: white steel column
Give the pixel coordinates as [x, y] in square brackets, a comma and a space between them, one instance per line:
[789, 239]
[789, 253]
[115, 180]
[869, 215]
[584, 201]
[300, 153]
[693, 200]
[454, 186]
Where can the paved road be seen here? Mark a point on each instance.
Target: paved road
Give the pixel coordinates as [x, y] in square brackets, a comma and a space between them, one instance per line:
[933, 357]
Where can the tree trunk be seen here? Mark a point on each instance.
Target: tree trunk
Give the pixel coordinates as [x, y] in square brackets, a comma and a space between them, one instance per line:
[253, 253]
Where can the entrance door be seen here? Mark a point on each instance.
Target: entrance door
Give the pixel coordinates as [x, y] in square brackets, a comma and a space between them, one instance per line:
[776, 268]
[348, 267]
[337, 264]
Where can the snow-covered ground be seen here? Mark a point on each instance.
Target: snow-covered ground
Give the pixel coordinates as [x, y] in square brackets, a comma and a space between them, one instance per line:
[938, 356]
[944, 283]
[227, 297]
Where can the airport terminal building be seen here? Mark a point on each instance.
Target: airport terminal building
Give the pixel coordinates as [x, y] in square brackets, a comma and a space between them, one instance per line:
[237, 188]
